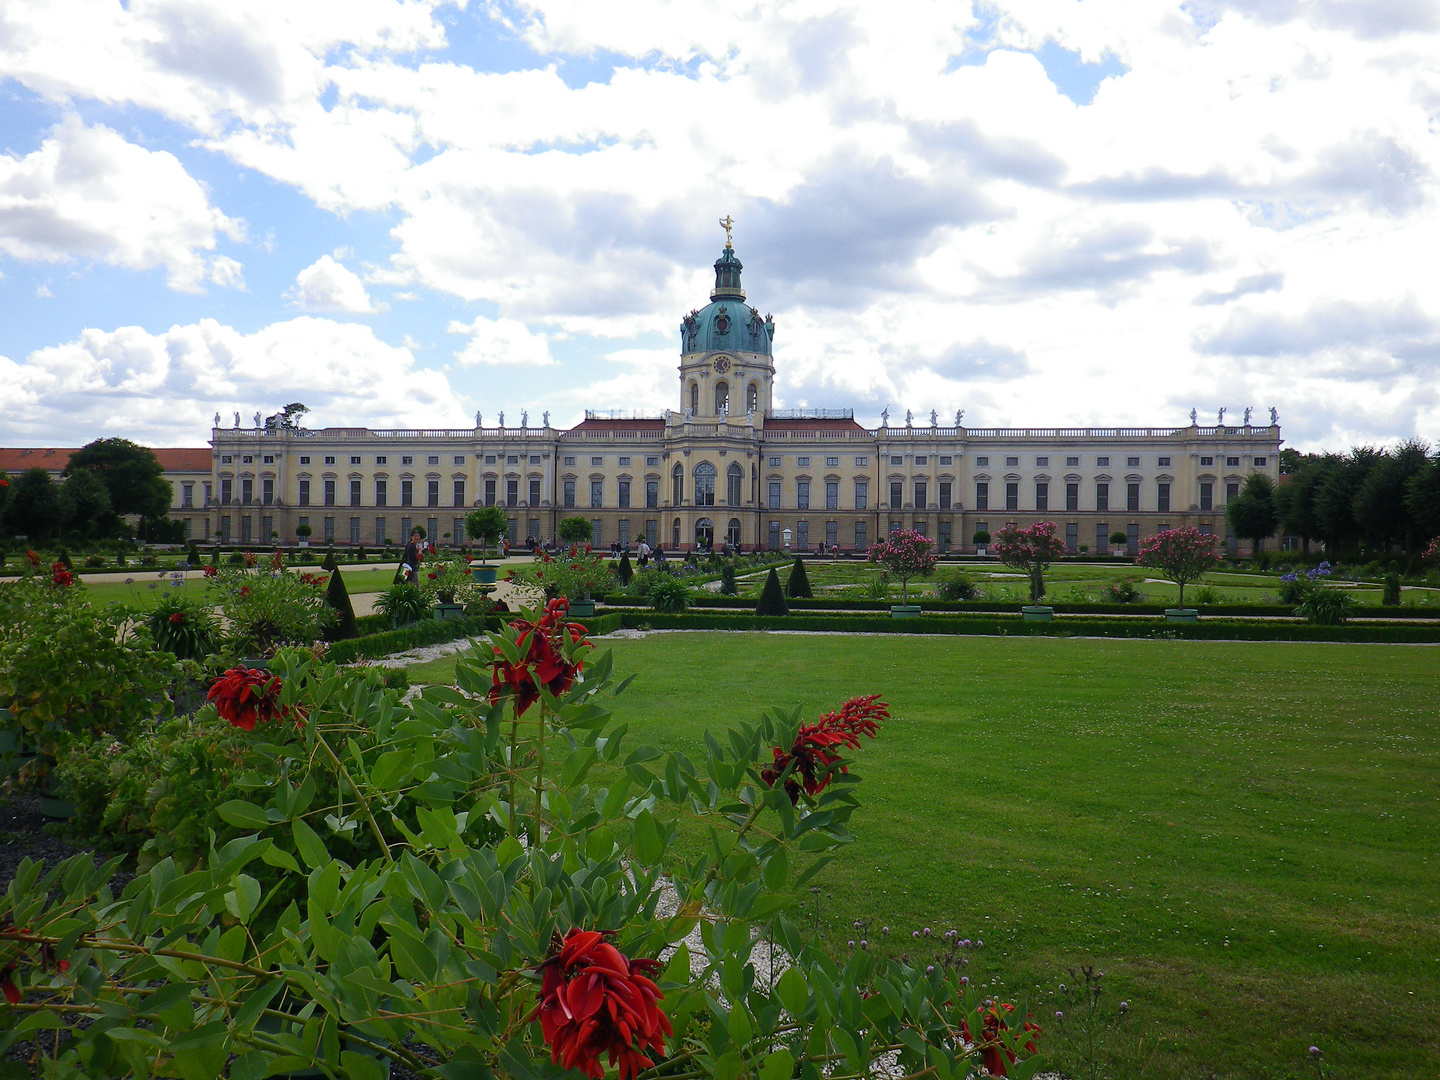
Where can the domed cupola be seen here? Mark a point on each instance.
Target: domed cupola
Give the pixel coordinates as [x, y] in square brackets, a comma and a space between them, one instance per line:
[727, 276]
[727, 323]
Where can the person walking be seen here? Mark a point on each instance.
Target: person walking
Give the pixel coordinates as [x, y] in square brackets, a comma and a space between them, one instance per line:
[410, 561]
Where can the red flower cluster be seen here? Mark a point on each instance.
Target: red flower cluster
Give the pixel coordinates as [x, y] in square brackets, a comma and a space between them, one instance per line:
[314, 579]
[249, 559]
[543, 658]
[247, 697]
[33, 560]
[816, 746]
[210, 571]
[61, 577]
[177, 617]
[595, 1000]
[277, 560]
[994, 1054]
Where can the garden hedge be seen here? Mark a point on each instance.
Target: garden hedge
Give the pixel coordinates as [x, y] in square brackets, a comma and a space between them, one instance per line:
[436, 632]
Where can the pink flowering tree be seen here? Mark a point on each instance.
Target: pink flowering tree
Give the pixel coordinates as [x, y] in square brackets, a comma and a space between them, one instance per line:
[906, 554]
[1181, 555]
[1031, 550]
[1432, 553]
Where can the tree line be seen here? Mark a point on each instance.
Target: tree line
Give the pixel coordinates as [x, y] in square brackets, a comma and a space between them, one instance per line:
[1368, 502]
[103, 483]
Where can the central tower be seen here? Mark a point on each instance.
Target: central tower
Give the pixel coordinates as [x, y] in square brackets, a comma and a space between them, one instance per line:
[726, 368]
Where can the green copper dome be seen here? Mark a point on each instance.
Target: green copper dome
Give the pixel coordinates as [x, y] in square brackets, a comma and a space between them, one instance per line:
[727, 323]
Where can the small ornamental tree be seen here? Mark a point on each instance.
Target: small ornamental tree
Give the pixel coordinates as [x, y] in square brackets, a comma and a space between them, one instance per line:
[1181, 555]
[338, 597]
[575, 530]
[486, 524]
[797, 585]
[906, 554]
[772, 597]
[1030, 550]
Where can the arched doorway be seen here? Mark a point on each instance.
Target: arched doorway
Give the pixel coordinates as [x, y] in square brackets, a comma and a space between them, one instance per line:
[705, 534]
[704, 484]
[734, 531]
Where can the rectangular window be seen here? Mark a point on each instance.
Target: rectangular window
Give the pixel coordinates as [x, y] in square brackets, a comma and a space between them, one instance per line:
[1207, 462]
[652, 494]
[1042, 462]
[432, 494]
[774, 463]
[1132, 462]
[225, 530]
[832, 495]
[1163, 462]
[922, 527]
[597, 493]
[1072, 536]
[652, 462]
[458, 491]
[1072, 462]
[1207, 529]
[897, 460]
[622, 497]
[432, 529]
[1102, 462]
[652, 531]
[512, 530]
[774, 536]
[512, 492]
[802, 535]
[922, 494]
[862, 462]
[1207, 495]
[379, 532]
[380, 492]
[802, 494]
[946, 459]
[1102, 538]
[490, 491]
[566, 461]
[946, 494]
[227, 490]
[381, 460]
[1260, 462]
[247, 459]
[982, 495]
[1042, 496]
[1132, 497]
[267, 529]
[534, 497]
[832, 462]
[329, 492]
[1072, 496]
[1011, 462]
[407, 497]
[432, 459]
[944, 536]
[405, 529]
[1012, 495]
[922, 459]
[304, 459]
[624, 462]
[862, 494]
[407, 459]
[862, 542]
[512, 459]
[267, 490]
[247, 490]
[624, 533]
[1132, 538]
[1102, 496]
[802, 462]
[774, 494]
[187, 496]
[329, 459]
[304, 492]
[597, 462]
[1232, 462]
[1162, 499]
[982, 462]
[354, 492]
[329, 530]
[568, 498]
[457, 529]
[1232, 492]
[897, 494]
[245, 530]
[832, 533]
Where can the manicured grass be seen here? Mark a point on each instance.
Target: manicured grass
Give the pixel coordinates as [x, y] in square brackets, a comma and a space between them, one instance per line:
[1241, 835]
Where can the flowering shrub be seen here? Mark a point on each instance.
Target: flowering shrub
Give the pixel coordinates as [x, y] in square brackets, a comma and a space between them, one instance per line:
[1432, 553]
[546, 655]
[183, 626]
[906, 554]
[1182, 555]
[813, 756]
[574, 574]
[447, 582]
[1297, 584]
[266, 608]
[1125, 590]
[1031, 550]
[245, 697]
[60, 577]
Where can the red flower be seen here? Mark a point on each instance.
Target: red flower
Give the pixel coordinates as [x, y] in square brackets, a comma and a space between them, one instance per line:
[247, 697]
[314, 579]
[249, 558]
[244, 590]
[814, 751]
[594, 1000]
[995, 1053]
[210, 571]
[432, 577]
[177, 617]
[33, 559]
[60, 577]
[277, 560]
[543, 658]
[7, 983]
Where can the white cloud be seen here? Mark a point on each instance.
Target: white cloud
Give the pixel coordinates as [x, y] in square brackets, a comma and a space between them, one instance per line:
[326, 285]
[88, 193]
[163, 388]
[501, 341]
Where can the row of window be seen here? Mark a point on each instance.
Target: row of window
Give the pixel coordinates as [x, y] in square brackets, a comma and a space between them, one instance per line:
[1072, 495]
[384, 459]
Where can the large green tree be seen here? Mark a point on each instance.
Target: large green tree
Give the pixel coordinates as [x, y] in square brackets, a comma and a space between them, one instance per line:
[132, 473]
[1422, 498]
[1252, 513]
[1335, 497]
[85, 504]
[1381, 511]
[34, 508]
[1295, 496]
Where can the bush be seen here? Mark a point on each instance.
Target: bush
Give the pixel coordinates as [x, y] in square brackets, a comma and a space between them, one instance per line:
[1391, 597]
[959, 586]
[669, 595]
[980, 539]
[265, 609]
[575, 530]
[1118, 539]
[772, 597]
[402, 604]
[727, 579]
[798, 583]
[338, 597]
[1325, 606]
[1125, 590]
[184, 626]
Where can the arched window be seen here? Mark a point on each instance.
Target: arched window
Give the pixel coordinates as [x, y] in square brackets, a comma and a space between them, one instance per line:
[734, 532]
[704, 484]
[734, 477]
[678, 478]
[722, 398]
[694, 398]
[752, 397]
[675, 535]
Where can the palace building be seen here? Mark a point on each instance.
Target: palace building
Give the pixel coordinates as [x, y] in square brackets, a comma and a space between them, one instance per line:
[726, 465]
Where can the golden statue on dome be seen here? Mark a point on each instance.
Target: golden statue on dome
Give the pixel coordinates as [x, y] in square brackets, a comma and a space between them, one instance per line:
[726, 223]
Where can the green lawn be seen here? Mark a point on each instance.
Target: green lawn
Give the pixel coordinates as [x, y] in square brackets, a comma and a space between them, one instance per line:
[1242, 836]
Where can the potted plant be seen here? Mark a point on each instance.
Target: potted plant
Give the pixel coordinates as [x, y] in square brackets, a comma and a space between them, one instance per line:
[485, 524]
[1181, 555]
[575, 574]
[302, 532]
[905, 554]
[448, 586]
[982, 541]
[1031, 550]
[1118, 543]
[268, 607]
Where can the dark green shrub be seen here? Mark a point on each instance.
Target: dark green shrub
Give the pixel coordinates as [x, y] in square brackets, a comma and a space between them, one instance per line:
[727, 579]
[669, 595]
[1118, 539]
[1392, 590]
[330, 563]
[63, 558]
[192, 554]
[338, 597]
[798, 583]
[772, 598]
[1324, 606]
[402, 604]
[959, 586]
[184, 626]
[1125, 590]
[360, 554]
[575, 530]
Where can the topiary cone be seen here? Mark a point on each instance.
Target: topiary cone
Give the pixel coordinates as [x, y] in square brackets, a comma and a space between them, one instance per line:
[330, 562]
[338, 597]
[798, 584]
[772, 598]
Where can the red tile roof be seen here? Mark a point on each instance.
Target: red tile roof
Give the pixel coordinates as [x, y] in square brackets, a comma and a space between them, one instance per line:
[619, 425]
[813, 425]
[16, 459]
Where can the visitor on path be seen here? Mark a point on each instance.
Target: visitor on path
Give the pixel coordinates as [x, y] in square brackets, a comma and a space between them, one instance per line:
[410, 561]
[644, 553]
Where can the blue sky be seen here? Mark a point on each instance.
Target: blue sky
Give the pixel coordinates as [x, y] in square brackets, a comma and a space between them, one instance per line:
[401, 211]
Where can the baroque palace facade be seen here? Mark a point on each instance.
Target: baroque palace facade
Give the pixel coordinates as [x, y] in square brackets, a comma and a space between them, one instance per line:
[726, 465]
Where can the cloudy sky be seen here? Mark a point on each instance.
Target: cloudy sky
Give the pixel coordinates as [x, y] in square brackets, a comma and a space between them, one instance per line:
[1045, 212]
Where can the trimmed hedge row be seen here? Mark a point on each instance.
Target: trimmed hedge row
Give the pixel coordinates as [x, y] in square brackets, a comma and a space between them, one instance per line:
[1013, 626]
[424, 632]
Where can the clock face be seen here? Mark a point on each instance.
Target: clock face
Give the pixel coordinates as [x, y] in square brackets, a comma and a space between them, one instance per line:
[722, 364]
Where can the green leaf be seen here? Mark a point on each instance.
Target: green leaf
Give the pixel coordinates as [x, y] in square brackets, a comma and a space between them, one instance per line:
[778, 1066]
[362, 1066]
[648, 845]
[777, 870]
[765, 906]
[740, 1029]
[793, 991]
[312, 849]
[244, 898]
[275, 856]
[729, 1065]
[243, 815]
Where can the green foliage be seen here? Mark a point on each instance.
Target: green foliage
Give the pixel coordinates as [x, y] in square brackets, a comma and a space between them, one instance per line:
[34, 508]
[303, 530]
[486, 524]
[85, 503]
[1118, 539]
[575, 574]
[981, 538]
[958, 586]
[798, 583]
[415, 635]
[1252, 514]
[772, 597]
[728, 586]
[905, 554]
[63, 558]
[575, 530]
[337, 596]
[1125, 590]
[360, 554]
[402, 604]
[132, 474]
[1324, 605]
[1391, 596]
[192, 555]
[264, 608]
[331, 563]
[669, 595]
[184, 625]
